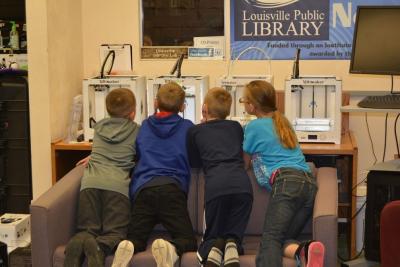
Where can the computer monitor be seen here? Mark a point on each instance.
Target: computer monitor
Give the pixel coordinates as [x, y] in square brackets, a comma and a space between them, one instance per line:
[376, 42]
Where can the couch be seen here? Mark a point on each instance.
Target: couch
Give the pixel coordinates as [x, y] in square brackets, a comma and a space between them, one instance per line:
[53, 217]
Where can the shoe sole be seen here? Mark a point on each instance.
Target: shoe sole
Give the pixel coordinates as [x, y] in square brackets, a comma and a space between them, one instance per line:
[123, 254]
[93, 255]
[161, 253]
[73, 254]
[316, 252]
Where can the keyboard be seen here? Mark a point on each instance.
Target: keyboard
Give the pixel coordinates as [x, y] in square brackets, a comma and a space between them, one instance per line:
[381, 102]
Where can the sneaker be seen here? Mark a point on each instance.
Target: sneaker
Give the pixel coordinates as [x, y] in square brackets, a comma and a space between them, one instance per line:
[123, 254]
[74, 250]
[231, 255]
[164, 253]
[315, 254]
[214, 258]
[95, 256]
[74, 253]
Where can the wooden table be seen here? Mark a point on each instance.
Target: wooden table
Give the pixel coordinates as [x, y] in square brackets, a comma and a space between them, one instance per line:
[65, 156]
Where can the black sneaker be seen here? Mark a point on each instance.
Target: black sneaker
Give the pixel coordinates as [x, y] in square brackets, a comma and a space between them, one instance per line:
[95, 256]
[74, 253]
[74, 250]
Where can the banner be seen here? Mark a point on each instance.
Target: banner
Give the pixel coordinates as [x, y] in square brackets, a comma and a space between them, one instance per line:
[322, 29]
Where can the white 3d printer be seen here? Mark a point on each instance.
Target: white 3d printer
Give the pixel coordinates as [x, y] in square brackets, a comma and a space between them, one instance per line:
[195, 87]
[95, 91]
[235, 84]
[312, 105]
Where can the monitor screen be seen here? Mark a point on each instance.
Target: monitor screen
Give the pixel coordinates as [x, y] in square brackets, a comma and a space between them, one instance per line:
[376, 41]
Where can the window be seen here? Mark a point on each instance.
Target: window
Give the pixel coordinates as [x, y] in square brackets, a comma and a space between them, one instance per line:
[176, 22]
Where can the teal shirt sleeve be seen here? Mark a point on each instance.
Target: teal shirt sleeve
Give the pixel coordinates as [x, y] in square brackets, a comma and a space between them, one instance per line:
[250, 137]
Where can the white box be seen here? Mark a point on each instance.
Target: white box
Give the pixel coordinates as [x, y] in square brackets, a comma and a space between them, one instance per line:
[15, 230]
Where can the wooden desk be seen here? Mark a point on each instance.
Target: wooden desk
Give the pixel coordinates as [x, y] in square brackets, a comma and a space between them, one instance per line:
[344, 155]
[65, 156]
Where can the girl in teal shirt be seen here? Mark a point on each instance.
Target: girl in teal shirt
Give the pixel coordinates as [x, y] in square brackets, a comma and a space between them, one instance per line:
[279, 165]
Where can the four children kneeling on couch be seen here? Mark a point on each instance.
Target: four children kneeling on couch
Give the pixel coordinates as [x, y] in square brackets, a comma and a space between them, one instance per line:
[118, 211]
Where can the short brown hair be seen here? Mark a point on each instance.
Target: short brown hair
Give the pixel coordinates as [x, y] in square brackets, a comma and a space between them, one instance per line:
[170, 97]
[120, 102]
[218, 102]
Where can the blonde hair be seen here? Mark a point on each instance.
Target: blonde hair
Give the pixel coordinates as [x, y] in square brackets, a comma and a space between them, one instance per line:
[261, 94]
[218, 102]
[170, 97]
[120, 103]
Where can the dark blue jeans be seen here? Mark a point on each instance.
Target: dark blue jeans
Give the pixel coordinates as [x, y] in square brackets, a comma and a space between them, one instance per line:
[290, 206]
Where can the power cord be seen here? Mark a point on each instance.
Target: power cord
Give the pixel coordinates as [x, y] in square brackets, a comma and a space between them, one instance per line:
[391, 88]
[370, 139]
[110, 53]
[395, 134]
[384, 144]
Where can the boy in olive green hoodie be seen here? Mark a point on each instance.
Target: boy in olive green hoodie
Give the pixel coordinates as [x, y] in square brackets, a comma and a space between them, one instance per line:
[104, 206]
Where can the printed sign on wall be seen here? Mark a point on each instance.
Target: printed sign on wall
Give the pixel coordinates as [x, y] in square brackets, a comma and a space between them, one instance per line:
[322, 29]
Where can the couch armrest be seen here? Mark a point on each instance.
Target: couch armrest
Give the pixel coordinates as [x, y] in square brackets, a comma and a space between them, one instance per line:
[325, 213]
[53, 217]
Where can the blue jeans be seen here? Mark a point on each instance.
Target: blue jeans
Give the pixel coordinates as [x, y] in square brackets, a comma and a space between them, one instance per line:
[290, 206]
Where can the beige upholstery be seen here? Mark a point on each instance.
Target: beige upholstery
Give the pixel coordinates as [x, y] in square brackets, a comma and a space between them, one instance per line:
[53, 219]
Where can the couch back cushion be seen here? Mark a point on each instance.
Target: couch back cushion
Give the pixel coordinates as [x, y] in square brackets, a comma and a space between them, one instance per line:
[260, 204]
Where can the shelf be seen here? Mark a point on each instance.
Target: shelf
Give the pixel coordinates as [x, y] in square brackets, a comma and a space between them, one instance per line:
[355, 108]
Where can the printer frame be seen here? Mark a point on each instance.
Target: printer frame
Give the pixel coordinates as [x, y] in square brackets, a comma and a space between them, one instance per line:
[312, 105]
[95, 91]
[188, 82]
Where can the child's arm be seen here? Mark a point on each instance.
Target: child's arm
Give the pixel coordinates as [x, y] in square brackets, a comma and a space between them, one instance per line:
[193, 152]
[247, 161]
[84, 161]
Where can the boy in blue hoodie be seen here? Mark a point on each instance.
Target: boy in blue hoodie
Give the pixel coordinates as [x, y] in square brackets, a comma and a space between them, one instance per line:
[161, 179]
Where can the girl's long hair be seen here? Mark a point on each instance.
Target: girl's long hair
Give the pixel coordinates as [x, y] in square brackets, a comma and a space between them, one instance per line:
[262, 95]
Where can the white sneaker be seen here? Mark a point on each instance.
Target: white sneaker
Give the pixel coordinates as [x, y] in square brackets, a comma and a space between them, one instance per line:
[123, 254]
[164, 253]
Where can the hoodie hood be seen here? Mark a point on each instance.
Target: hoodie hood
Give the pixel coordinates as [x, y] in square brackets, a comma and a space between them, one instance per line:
[115, 130]
[165, 126]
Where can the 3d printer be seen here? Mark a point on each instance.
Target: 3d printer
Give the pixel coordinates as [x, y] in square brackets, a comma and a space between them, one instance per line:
[235, 86]
[312, 105]
[195, 87]
[95, 91]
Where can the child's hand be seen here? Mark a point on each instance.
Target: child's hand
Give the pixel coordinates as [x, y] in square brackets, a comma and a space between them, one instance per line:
[83, 162]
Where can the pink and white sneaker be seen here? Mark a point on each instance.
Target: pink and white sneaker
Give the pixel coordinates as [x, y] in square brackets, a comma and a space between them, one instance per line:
[313, 254]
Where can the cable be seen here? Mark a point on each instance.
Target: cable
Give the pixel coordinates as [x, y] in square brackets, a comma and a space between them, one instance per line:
[362, 181]
[373, 152]
[362, 249]
[230, 66]
[370, 139]
[384, 144]
[353, 258]
[111, 52]
[395, 134]
[392, 89]
[359, 210]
